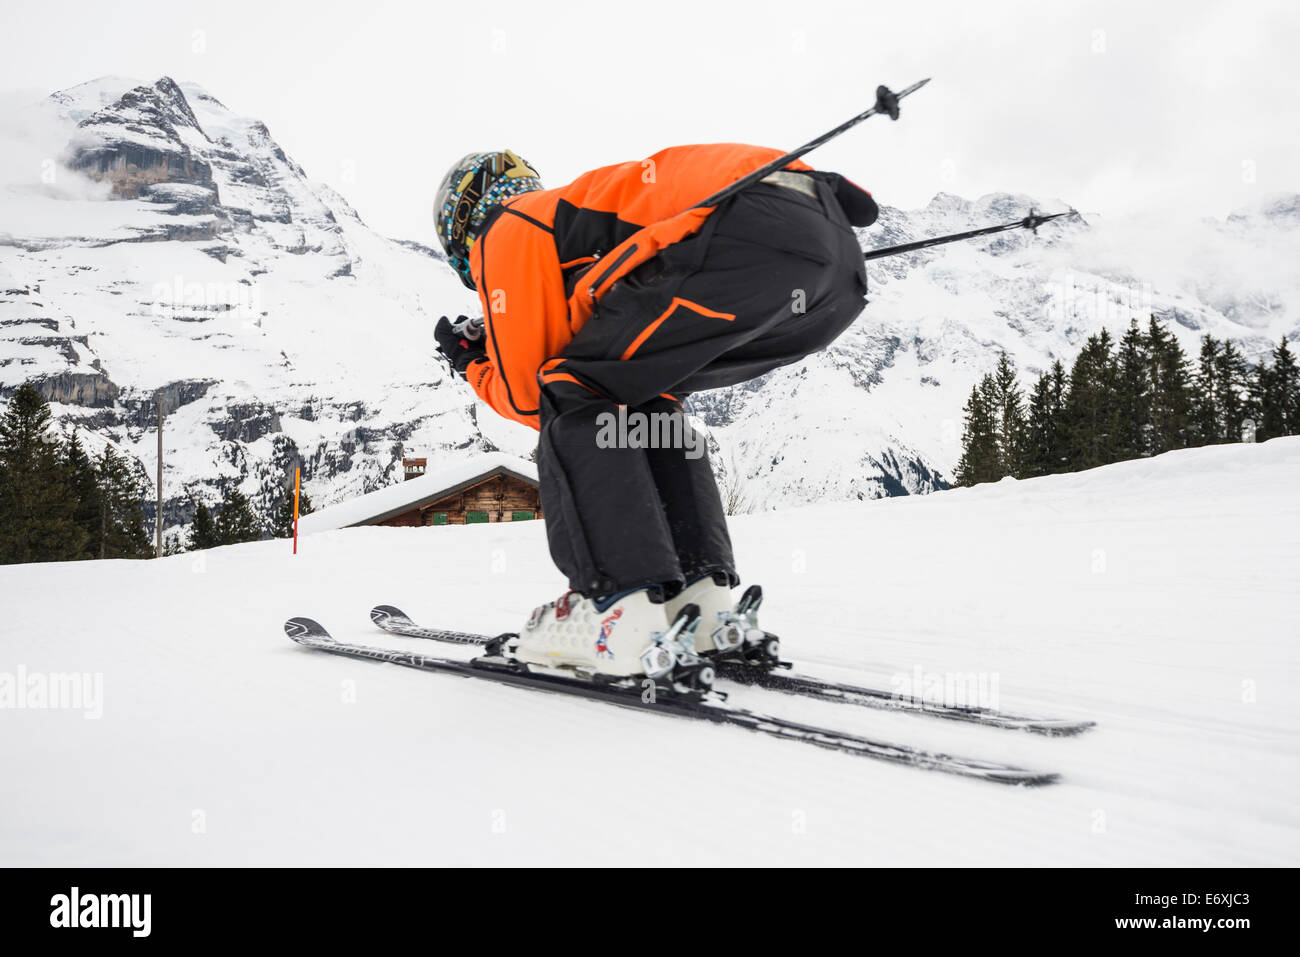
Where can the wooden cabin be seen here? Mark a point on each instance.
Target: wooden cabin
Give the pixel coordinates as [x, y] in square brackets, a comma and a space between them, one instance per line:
[499, 496]
[489, 488]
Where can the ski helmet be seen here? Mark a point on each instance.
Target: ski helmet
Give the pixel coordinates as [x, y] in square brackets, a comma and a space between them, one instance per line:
[472, 187]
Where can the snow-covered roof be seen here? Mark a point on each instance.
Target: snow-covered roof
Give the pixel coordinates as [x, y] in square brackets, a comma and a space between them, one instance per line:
[383, 503]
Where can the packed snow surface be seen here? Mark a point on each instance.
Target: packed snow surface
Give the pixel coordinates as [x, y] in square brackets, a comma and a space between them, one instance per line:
[1160, 598]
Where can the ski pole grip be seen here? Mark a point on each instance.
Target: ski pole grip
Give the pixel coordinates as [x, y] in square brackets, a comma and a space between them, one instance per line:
[471, 329]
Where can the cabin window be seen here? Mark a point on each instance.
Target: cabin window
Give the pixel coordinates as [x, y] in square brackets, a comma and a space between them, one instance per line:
[522, 516]
[474, 518]
[439, 518]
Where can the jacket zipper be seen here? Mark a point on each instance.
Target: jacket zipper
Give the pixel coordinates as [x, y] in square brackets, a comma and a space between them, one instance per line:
[591, 290]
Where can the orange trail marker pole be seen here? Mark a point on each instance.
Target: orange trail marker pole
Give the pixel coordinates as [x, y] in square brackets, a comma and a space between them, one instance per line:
[297, 478]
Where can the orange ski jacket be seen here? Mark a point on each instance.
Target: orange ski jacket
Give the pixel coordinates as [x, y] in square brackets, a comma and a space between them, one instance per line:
[545, 258]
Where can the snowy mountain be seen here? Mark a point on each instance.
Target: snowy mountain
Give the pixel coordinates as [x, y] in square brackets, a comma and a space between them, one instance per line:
[174, 249]
[1158, 598]
[879, 413]
[210, 269]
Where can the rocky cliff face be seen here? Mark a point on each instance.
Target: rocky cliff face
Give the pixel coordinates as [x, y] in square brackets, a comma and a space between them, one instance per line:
[143, 141]
[210, 273]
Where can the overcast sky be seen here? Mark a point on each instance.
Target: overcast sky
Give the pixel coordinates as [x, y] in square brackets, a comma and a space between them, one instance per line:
[1130, 107]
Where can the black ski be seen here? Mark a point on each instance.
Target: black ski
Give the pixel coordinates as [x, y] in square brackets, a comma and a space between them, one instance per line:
[807, 686]
[645, 696]
[396, 622]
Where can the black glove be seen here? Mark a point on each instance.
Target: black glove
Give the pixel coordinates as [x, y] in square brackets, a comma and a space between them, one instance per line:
[460, 342]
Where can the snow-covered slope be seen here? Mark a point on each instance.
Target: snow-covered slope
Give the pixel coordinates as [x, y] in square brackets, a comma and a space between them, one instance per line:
[1160, 598]
[189, 256]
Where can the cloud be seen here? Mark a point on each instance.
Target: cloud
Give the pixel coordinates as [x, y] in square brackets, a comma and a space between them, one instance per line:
[33, 143]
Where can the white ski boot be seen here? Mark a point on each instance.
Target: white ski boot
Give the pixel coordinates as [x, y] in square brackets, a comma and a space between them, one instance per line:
[626, 636]
[728, 631]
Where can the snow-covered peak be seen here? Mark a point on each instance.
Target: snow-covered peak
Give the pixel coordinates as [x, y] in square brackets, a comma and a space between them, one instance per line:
[147, 135]
[213, 272]
[78, 102]
[1281, 210]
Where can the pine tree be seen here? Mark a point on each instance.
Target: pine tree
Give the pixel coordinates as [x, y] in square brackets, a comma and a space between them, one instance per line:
[282, 520]
[1282, 415]
[1231, 392]
[1043, 450]
[979, 458]
[236, 521]
[203, 530]
[1132, 397]
[122, 519]
[1171, 390]
[84, 482]
[1090, 416]
[38, 505]
[1009, 419]
[1140, 399]
[1207, 416]
[1060, 381]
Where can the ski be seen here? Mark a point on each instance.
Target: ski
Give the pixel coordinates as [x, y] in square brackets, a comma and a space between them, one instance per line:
[394, 621]
[647, 696]
[808, 686]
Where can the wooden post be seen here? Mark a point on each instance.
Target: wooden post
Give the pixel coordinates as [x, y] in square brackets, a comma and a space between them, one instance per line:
[158, 548]
[297, 478]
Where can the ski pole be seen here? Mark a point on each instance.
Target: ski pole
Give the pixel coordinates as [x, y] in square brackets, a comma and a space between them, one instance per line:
[471, 328]
[886, 102]
[1032, 222]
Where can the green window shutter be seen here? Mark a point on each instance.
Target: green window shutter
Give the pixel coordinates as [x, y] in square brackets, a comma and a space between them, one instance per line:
[440, 518]
[523, 516]
[475, 518]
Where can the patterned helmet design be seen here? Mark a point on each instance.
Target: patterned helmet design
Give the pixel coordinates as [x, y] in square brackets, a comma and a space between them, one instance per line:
[472, 187]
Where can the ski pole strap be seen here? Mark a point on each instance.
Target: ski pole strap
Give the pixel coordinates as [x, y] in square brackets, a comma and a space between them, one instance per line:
[886, 102]
[1031, 222]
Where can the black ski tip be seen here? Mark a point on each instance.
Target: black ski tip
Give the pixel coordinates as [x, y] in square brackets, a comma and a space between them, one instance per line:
[1042, 780]
[382, 613]
[1037, 779]
[1060, 728]
[1018, 777]
[302, 630]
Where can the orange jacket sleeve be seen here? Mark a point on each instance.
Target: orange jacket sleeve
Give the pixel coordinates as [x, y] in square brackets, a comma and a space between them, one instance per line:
[517, 272]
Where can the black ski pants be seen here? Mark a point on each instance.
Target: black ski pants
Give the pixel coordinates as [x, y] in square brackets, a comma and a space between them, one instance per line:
[629, 496]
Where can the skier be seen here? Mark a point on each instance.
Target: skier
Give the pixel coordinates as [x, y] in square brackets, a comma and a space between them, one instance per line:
[609, 301]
